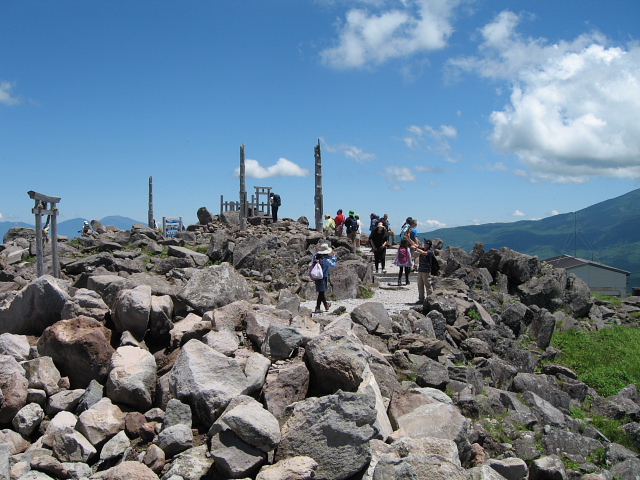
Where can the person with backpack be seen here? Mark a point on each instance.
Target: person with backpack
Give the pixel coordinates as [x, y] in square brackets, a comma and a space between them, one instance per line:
[373, 222]
[275, 204]
[339, 223]
[326, 257]
[330, 226]
[404, 261]
[425, 267]
[379, 241]
[352, 227]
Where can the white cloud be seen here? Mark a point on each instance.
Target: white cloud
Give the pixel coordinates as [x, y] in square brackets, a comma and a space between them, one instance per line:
[350, 151]
[518, 213]
[554, 213]
[372, 38]
[283, 168]
[432, 224]
[572, 112]
[397, 174]
[6, 96]
[431, 140]
[1, 216]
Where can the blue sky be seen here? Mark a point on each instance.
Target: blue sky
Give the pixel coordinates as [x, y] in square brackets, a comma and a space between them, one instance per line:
[455, 112]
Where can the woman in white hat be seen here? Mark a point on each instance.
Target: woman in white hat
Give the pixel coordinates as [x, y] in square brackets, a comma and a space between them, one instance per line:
[327, 259]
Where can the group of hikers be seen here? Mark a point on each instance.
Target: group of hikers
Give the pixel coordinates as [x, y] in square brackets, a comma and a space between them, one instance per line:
[412, 254]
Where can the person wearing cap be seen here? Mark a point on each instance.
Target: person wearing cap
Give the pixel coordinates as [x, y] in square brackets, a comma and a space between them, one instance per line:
[276, 201]
[379, 241]
[327, 259]
[330, 226]
[352, 226]
[424, 270]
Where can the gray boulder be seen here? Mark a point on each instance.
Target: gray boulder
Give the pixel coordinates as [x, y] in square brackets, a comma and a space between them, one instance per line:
[36, 307]
[87, 303]
[374, 317]
[206, 380]
[175, 439]
[199, 259]
[132, 379]
[13, 386]
[334, 430]
[15, 345]
[131, 310]
[294, 468]
[213, 287]
[284, 386]
[205, 217]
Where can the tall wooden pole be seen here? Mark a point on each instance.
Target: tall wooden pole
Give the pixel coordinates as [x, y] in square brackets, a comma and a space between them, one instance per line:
[150, 219]
[318, 200]
[243, 192]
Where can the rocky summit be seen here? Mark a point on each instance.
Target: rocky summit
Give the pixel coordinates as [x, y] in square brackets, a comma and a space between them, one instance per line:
[193, 357]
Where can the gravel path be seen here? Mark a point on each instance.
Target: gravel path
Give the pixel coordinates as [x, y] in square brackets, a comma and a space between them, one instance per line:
[394, 298]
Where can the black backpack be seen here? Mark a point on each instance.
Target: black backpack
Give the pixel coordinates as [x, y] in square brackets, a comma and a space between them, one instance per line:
[435, 266]
[352, 224]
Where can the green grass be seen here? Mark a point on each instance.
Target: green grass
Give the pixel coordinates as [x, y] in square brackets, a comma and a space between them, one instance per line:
[606, 360]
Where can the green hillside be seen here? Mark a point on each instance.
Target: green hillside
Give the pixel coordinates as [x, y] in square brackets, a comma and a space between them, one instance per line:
[607, 232]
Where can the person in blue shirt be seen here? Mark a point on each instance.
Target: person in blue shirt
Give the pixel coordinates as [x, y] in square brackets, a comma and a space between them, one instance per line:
[327, 258]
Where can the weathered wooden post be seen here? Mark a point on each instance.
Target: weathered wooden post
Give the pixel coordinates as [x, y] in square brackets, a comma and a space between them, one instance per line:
[39, 210]
[150, 218]
[318, 197]
[243, 192]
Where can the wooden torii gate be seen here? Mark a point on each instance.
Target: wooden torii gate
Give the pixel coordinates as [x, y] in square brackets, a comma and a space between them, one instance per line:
[39, 210]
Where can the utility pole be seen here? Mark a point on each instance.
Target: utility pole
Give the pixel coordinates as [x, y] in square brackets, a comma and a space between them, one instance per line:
[150, 219]
[243, 193]
[318, 201]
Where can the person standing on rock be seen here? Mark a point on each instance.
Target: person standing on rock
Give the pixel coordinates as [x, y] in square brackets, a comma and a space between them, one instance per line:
[327, 259]
[275, 204]
[424, 270]
[352, 227]
[330, 226]
[404, 261]
[339, 223]
[379, 241]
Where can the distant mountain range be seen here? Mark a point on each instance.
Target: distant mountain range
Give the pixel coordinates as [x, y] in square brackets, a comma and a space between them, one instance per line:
[607, 232]
[71, 228]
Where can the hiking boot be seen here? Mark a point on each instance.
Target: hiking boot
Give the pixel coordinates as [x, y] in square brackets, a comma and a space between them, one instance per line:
[317, 310]
[327, 306]
[408, 282]
[384, 271]
[399, 283]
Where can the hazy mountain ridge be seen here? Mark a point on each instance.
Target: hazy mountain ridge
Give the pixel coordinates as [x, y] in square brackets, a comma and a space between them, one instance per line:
[70, 228]
[606, 232]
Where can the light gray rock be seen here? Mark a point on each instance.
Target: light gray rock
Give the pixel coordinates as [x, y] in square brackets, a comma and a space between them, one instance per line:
[192, 463]
[206, 380]
[85, 302]
[131, 310]
[338, 360]
[547, 467]
[28, 418]
[35, 307]
[177, 413]
[64, 400]
[284, 386]
[233, 457]
[132, 379]
[294, 468]
[250, 422]
[42, 373]
[484, 472]
[199, 259]
[510, 468]
[126, 471]
[14, 387]
[175, 439]
[224, 341]
[334, 430]
[70, 445]
[281, 342]
[15, 345]
[374, 317]
[213, 287]
[101, 422]
[256, 370]
[115, 446]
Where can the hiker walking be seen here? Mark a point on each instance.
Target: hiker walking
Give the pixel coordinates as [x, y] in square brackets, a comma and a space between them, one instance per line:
[327, 259]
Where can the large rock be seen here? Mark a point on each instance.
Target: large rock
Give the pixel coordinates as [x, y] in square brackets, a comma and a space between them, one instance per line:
[87, 303]
[337, 359]
[248, 419]
[374, 317]
[132, 379]
[80, 348]
[36, 307]
[214, 287]
[131, 310]
[334, 430]
[15, 345]
[284, 386]
[13, 386]
[101, 422]
[206, 380]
